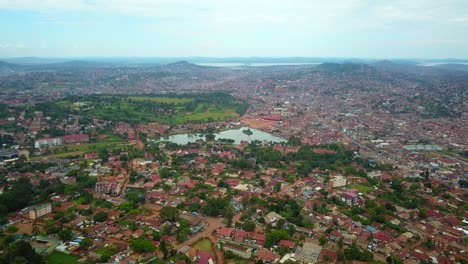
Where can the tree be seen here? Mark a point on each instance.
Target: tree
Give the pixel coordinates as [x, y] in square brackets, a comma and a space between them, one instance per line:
[65, 234]
[393, 260]
[142, 245]
[164, 249]
[127, 206]
[18, 196]
[340, 243]
[215, 206]
[422, 214]
[294, 141]
[169, 213]
[277, 187]
[21, 252]
[291, 229]
[353, 253]
[428, 243]
[274, 236]
[136, 196]
[262, 183]
[104, 155]
[181, 237]
[248, 226]
[229, 214]
[12, 229]
[280, 223]
[86, 243]
[100, 217]
[396, 185]
[323, 240]
[35, 229]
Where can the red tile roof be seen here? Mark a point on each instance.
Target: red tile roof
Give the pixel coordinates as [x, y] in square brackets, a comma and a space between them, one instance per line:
[286, 243]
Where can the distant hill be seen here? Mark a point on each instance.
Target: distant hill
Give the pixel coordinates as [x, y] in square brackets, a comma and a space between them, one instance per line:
[9, 68]
[342, 67]
[185, 66]
[34, 60]
[404, 67]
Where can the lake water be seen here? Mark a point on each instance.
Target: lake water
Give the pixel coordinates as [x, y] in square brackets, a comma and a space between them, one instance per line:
[236, 134]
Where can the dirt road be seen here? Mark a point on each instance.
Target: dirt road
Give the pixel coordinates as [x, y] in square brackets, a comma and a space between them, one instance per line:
[213, 223]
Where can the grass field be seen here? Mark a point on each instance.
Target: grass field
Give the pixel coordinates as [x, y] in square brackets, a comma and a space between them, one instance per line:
[60, 155]
[108, 251]
[361, 188]
[205, 245]
[111, 142]
[61, 258]
[172, 110]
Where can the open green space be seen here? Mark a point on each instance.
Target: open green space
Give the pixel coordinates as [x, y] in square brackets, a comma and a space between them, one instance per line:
[110, 143]
[361, 188]
[61, 258]
[60, 155]
[107, 252]
[205, 245]
[136, 109]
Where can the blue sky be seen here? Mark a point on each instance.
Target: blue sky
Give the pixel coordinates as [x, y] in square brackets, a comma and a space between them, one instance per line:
[222, 28]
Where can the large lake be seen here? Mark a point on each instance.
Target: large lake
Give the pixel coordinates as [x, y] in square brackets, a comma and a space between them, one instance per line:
[236, 134]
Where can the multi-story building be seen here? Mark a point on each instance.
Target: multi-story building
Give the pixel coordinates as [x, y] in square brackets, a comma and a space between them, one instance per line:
[338, 181]
[38, 143]
[106, 187]
[238, 250]
[68, 139]
[75, 138]
[40, 210]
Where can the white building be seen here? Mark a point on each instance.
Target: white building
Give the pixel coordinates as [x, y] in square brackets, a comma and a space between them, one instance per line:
[338, 181]
[40, 210]
[38, 143]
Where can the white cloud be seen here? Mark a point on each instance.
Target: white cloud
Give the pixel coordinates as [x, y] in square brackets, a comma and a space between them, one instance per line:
[17, 45]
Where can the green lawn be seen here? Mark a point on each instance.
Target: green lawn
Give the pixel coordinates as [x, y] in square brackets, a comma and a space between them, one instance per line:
[61, 258]
[361, 188]
[89, 147]
[144, 109]
[205, 245]
[76, 150]
[108, 251]
[60, 155]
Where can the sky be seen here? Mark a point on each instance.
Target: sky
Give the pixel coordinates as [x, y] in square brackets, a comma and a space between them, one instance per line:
[228, 28]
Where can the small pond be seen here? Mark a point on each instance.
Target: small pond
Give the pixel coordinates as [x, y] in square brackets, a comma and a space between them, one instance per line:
[237, 135]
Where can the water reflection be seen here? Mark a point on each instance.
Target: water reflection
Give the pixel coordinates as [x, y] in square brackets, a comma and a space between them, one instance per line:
[235, 134]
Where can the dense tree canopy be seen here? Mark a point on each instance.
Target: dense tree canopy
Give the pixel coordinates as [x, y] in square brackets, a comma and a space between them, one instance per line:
[169, 213]
[142, 245]
[21, 252]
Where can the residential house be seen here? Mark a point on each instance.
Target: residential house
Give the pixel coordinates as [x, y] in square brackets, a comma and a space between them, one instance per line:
[238, 250]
